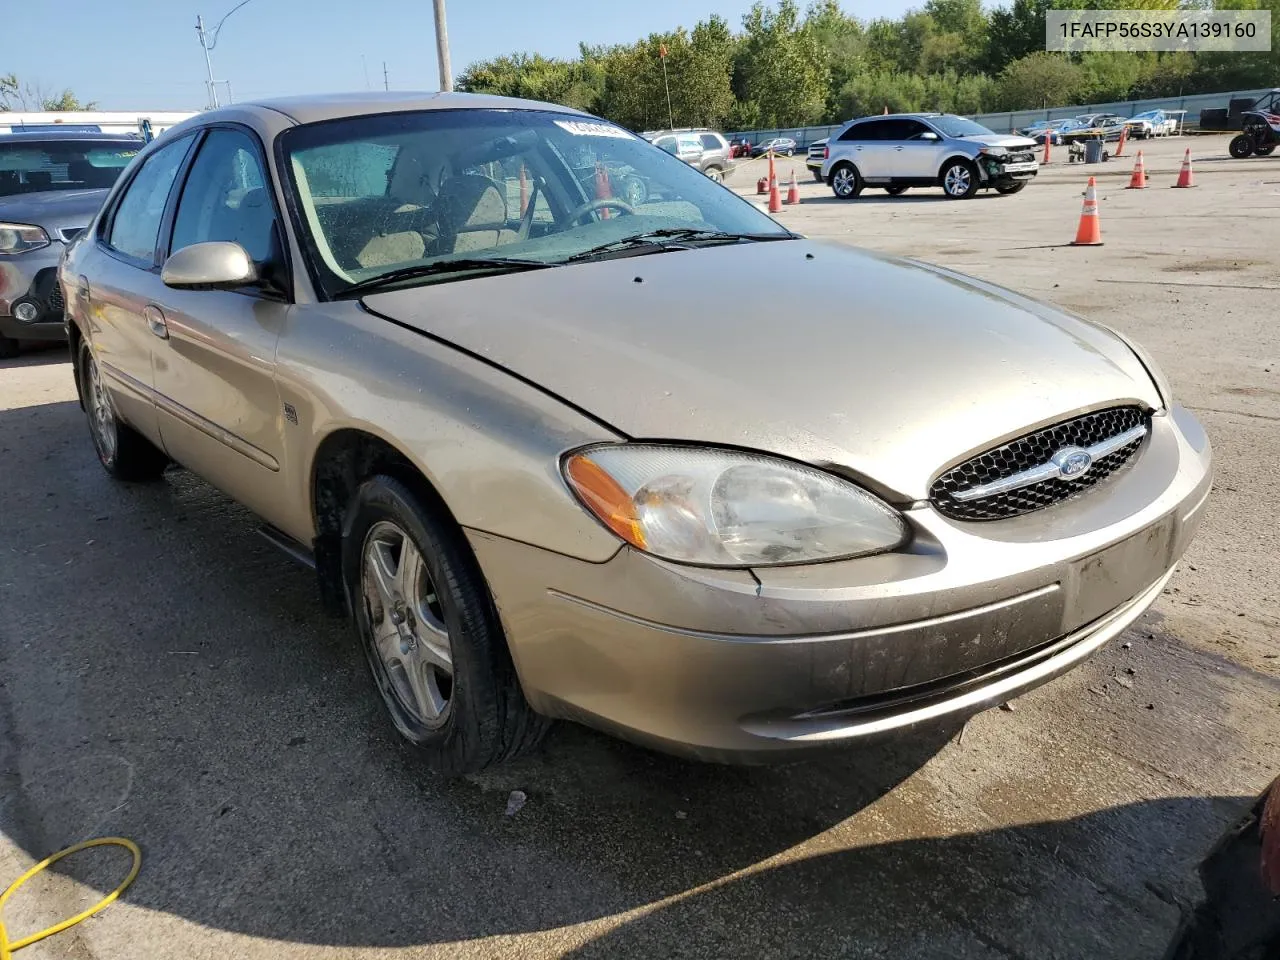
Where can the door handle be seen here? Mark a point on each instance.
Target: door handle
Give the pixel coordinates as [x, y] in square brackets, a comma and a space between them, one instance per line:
[897, 148]
[155, 321]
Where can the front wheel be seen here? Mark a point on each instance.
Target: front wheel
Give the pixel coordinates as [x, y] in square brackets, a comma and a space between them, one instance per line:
[430, 631]
[845, 182]
[895, 191]
[817, 175]
[124, 453]
[1241, 146]
[959, 180]
[1265, 151]
[714, 174]
[1010, 188]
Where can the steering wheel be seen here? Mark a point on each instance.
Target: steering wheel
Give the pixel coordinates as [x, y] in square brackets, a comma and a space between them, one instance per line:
[591, 206]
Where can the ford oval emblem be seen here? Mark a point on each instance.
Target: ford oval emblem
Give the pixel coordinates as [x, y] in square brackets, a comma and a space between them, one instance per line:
[1072, 462]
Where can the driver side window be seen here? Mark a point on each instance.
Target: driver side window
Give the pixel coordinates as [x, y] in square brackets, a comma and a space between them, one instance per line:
[226, 198]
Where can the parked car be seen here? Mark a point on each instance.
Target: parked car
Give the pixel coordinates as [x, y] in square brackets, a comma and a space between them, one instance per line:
[906, 150]
[1094, 125]
[814, 158]
[705, 149]
[740, 148]
[51, 184]
[1151, 123]
[548, 474]
[1053, 129]
[781, 146]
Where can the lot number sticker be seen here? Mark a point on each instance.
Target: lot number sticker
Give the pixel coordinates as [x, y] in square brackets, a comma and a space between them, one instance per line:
[581, 128]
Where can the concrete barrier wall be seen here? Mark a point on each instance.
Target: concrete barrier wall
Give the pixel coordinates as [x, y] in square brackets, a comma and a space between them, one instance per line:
[1009, 121]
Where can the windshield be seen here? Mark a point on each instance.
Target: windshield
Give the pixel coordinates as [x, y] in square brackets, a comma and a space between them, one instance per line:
[959, 127]
[38, 165]
[394, 192]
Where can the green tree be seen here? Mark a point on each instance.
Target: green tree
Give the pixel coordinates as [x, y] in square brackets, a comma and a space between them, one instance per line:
[16, 95]
[780, 67]
[1040, 79]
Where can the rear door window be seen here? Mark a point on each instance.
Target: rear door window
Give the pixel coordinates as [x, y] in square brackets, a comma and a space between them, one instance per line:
[135, 225]
[711, 142]
[870, 130]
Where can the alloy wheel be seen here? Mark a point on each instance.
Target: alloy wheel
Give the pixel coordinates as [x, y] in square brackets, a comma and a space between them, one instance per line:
[406, 618]
[957, 180]
[102, 418]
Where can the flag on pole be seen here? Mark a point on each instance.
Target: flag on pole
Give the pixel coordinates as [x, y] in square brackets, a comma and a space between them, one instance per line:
[662, 50]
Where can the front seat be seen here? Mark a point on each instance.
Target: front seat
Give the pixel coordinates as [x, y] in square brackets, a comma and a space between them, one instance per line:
[472, 212]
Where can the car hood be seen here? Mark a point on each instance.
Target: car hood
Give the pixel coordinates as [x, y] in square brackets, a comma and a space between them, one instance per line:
[891, 370]
[53, 209]
[1003, 140]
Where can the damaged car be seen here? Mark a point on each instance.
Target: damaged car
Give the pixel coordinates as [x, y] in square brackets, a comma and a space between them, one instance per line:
[898, 152]
[503, 412]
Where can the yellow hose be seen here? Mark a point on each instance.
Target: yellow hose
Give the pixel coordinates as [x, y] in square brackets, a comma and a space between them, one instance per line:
[7, 949]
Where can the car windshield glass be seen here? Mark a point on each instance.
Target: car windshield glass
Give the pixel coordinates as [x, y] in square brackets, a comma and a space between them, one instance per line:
[38, 165]
[393, 192]
[959, 127]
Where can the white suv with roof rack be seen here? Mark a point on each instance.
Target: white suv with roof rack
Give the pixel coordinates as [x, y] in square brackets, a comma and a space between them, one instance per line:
[905, 150]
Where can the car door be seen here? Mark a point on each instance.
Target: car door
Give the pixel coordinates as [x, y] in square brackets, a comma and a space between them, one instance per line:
[120, 276]
[871, 152]
[217, 404]
[917, 150]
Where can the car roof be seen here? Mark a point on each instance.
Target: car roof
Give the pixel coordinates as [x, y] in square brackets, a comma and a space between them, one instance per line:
[901, 116]
[335, 106]
[29, 136]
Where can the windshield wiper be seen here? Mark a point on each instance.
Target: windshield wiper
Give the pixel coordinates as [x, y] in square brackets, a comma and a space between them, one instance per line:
[462, 265]
[672, 238]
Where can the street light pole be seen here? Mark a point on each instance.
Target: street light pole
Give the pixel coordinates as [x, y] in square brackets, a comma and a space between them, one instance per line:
[442, 48]
[211, 92]
[208, 45]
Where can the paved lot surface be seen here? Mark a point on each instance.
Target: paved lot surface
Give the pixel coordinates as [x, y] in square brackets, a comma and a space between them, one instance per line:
[167, 676]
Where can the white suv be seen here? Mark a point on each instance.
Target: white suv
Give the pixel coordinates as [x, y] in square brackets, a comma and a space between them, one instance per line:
[926, 150]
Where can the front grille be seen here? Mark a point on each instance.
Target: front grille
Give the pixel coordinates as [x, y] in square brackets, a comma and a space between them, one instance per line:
[1030, 451]
[1021, 157]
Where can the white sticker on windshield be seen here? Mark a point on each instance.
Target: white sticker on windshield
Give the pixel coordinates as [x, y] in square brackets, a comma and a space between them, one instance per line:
[581, 128]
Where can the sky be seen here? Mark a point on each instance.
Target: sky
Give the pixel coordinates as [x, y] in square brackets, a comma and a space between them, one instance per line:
[144, 54]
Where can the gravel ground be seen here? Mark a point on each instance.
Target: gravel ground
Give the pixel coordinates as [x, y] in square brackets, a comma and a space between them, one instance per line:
[167, 676]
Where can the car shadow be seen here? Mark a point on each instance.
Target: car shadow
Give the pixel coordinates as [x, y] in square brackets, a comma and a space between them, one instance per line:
[190, 694]
[906, 198]
[37, 354]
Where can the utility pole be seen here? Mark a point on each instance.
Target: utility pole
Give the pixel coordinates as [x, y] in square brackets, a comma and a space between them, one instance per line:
[442, 48]
[386, 84]
[662, 54]
[210, 90]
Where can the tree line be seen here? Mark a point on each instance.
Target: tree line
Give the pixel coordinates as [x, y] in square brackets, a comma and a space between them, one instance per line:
[33, 98]
[785, 68]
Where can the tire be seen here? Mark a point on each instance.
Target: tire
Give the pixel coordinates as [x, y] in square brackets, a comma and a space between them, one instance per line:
[959, 180]
[1265, 151]
[8, 347]
[123, 452]
[1009, 189]
[635, 191]
[714, 174]
[466, 710]
[896, 191]
[1241, 146]
[845, 181]
[817, 175]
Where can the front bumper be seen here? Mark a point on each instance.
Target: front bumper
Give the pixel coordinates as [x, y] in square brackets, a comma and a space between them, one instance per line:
[32, 277]
[752, 665]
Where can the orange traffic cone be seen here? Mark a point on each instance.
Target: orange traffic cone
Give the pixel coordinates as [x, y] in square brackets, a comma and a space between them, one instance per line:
[1139, 179]
[1089, 234]
[524, 191]
[775, 200]
[793, 192]
[1124, 138]
[1185, 176]
[603, 191]
[1048, 139]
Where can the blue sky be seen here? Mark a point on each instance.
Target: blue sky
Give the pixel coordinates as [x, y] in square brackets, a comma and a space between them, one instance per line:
[129, 54]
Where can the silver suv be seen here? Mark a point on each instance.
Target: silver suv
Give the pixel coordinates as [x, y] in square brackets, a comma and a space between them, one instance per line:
[926, 150]
[704, 149]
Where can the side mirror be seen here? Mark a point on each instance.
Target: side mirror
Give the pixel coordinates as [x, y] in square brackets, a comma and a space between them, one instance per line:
[929, 135]
[215, 265]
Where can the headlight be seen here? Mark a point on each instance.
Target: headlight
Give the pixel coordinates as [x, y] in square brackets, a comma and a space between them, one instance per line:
[21, 237]
[727, 509]
[994, 151]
